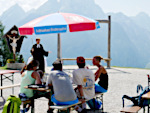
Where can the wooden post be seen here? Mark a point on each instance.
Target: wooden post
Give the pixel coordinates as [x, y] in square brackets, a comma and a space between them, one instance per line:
[109, 38]
[14, 56]
[59, 47]
[109, 41]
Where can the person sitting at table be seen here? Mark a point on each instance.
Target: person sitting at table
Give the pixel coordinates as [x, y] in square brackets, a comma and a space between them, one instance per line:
[84, 79]
[101, 73]
[64, 93]
[31, 76]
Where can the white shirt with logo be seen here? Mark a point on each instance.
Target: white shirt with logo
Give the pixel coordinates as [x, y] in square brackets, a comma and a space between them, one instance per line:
[86, 78]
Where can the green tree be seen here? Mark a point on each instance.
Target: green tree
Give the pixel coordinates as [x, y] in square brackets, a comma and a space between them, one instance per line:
[4, 50]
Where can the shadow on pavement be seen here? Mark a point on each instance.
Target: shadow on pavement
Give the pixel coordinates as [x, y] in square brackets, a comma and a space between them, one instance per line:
[118, 71]
[2, 102]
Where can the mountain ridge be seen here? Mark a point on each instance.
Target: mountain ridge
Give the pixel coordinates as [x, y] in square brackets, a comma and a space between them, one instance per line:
[129, 38]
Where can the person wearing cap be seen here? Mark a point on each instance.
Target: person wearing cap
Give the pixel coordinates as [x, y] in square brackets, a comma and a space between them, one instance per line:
[38, 53]
[84, 79]
[64, 93]
[101, 73]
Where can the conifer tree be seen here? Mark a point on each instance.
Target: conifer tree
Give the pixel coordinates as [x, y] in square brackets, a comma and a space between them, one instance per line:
[4, 50]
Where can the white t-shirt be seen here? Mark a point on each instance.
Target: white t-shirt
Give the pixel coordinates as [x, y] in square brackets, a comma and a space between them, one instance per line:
[86, 78]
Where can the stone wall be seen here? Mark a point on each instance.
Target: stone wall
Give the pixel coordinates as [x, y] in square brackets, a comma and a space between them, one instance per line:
[15, 65]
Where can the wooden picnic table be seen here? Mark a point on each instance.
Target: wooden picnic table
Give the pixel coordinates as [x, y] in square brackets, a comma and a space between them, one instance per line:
[38, 89]
[4, 75]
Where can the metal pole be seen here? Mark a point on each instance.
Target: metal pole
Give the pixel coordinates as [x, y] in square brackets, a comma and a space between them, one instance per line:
[59, 47]
[1, 85]
[109, 41]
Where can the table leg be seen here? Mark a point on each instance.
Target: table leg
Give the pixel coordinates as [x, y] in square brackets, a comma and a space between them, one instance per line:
[1, 85]
[32, 106]
[144, 109]
[148, 109]
[12, 83]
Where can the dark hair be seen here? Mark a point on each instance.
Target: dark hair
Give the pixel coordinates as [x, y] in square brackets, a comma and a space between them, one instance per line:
[57, 65]
[81, 65]
[38, 39]
[32, 64]
[98, 58]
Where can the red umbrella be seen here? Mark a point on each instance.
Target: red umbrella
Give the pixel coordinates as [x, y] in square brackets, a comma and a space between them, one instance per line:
[58, 23]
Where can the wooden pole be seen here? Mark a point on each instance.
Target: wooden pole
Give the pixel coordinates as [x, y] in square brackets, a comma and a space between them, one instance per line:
[109, 38]
[59, 47]
[14, 56]
[109, 41]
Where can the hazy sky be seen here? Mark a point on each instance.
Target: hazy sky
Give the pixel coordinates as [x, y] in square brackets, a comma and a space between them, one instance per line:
[128, 7]
[25, 4]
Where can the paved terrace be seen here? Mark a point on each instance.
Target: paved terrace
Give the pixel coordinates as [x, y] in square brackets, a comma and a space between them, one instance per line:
[121, 81]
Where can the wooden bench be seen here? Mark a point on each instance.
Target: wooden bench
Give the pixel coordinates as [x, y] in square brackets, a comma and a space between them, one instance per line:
[10, 86]
[25, 102]
[130, 109]
[67, 107]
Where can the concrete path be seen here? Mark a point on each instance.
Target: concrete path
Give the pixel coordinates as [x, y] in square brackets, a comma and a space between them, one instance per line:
[121, 81]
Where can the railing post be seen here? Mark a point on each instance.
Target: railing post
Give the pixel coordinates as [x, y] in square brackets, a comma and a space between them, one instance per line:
[109, 41]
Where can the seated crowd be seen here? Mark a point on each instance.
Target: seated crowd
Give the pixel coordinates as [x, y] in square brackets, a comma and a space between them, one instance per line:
[63, 92]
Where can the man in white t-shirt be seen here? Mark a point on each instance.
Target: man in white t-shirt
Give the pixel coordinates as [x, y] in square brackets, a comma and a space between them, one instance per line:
[84, 79]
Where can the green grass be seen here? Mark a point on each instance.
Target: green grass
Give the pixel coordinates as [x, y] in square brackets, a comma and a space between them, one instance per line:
[3, 68]
[131, 67]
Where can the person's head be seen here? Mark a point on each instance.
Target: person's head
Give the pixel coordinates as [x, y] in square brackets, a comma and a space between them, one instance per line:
[80, 62]
[96, 60]
[38, 40]
[57, 65]
[32, 65]
[21, 56]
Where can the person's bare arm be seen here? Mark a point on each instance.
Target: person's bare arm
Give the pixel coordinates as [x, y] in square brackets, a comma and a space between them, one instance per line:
[98, 72]
[23, 69]
[36, 76]
[22, 75]
[80, 88]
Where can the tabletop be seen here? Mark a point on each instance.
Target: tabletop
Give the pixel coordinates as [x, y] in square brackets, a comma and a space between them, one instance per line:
[131, 109]
[8, 71]
[39, 89]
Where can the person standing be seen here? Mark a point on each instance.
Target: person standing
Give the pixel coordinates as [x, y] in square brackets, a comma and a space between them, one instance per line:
[38, 53]
[101, 73]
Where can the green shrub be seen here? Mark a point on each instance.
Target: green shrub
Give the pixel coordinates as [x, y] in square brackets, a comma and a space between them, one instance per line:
[10, 61]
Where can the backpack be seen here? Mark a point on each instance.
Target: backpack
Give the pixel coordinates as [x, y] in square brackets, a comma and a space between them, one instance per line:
[138, 101]
[12, 105]
[94, 103]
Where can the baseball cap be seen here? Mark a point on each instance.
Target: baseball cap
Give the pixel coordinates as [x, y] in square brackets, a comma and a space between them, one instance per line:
[80, 59]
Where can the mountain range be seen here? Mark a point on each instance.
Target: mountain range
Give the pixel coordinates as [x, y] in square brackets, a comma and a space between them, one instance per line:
[130, 36]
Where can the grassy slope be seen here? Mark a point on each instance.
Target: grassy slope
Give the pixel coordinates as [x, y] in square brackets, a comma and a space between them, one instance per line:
[3, 68]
